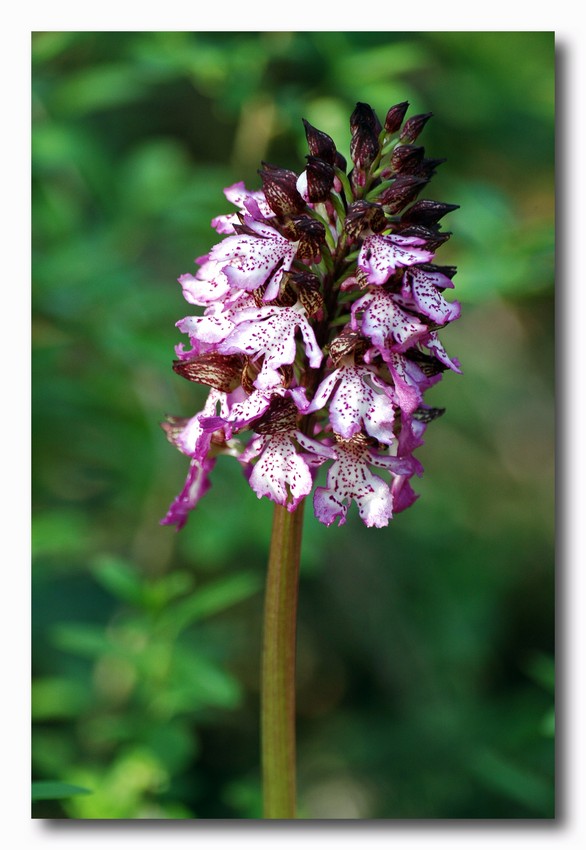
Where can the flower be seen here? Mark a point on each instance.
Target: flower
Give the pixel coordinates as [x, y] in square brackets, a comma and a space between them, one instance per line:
[253, 203]
[281, 472]
[270, 332]
[315, 327]
[351, 479]
[380, 255]
[248, 260]
[358, 400]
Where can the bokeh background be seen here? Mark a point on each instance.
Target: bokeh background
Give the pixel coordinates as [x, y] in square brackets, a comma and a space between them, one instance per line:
[425, 670]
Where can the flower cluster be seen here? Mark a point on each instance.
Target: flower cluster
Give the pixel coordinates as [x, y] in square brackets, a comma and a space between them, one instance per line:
[317, 332]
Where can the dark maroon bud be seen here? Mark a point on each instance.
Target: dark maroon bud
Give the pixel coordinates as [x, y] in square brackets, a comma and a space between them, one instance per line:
[361, 278]
[363, 215]
[222, 372]
[364, 116]
[280, 416]
[320, 179]
[432, 236]
[308, 290]
[287, 296]
[427, 167]
[364, 147]
[310, 234]
[311, 300]
[280, 188]
[320, 144]
[403, 190]
[413, 127]
[365, 128]
[287, 373]
[242, 228]
[427, 212]
[405, 159]
[340, 162]
[360, 439]
[249, 375]
[395, 117]
[357, 179]
[349, 342]
[305, 279]
[449, 271]
[258, 294]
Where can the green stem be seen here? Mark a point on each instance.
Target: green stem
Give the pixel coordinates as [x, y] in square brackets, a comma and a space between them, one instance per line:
[278, 665]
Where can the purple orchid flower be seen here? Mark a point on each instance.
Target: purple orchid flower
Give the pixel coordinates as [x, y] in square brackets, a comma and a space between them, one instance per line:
[315, 325]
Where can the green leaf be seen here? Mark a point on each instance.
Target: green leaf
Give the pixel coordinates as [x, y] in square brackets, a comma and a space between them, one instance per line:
[213, 598]
[159, 593]
[56, 790]
[81, 639]
[197, 682]
[119, 578]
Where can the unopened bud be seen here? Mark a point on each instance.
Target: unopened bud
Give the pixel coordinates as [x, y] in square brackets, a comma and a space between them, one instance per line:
[364, 215]
[364, 147]
[432, 236]
[309, 291]
[364, 116]
[413, 127]
[320, 179]
[249, 375]
[395, 117]
[426, 168]
[280, 188]
[310, 234]
[365, 128]
[347, 343]
[403, 191]
[427, 212]
[320, 144]
[406, 158]
[280, 416]
[222, 372]
[430, 366]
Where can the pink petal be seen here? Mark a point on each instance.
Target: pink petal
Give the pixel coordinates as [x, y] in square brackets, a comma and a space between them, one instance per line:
[280, 473]
[419, 286]
[324, 391]
[212, 328]
[384, 320]
[196, 485]
[248, 261]
[355, 403]
[247, 201]
[381, 255]
[433, 343]
[271, 331]
[350, 479]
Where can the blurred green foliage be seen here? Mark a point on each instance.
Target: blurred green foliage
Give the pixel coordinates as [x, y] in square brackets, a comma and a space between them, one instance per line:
[425, 670]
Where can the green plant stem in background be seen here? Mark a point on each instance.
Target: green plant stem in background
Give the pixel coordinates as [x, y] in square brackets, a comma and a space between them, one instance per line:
[278, 665]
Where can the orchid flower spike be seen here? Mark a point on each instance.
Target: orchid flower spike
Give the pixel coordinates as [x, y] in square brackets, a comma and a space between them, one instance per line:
[317, 327]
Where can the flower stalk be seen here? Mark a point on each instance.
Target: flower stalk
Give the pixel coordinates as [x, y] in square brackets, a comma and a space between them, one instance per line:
[278, 666]
[316, 333]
